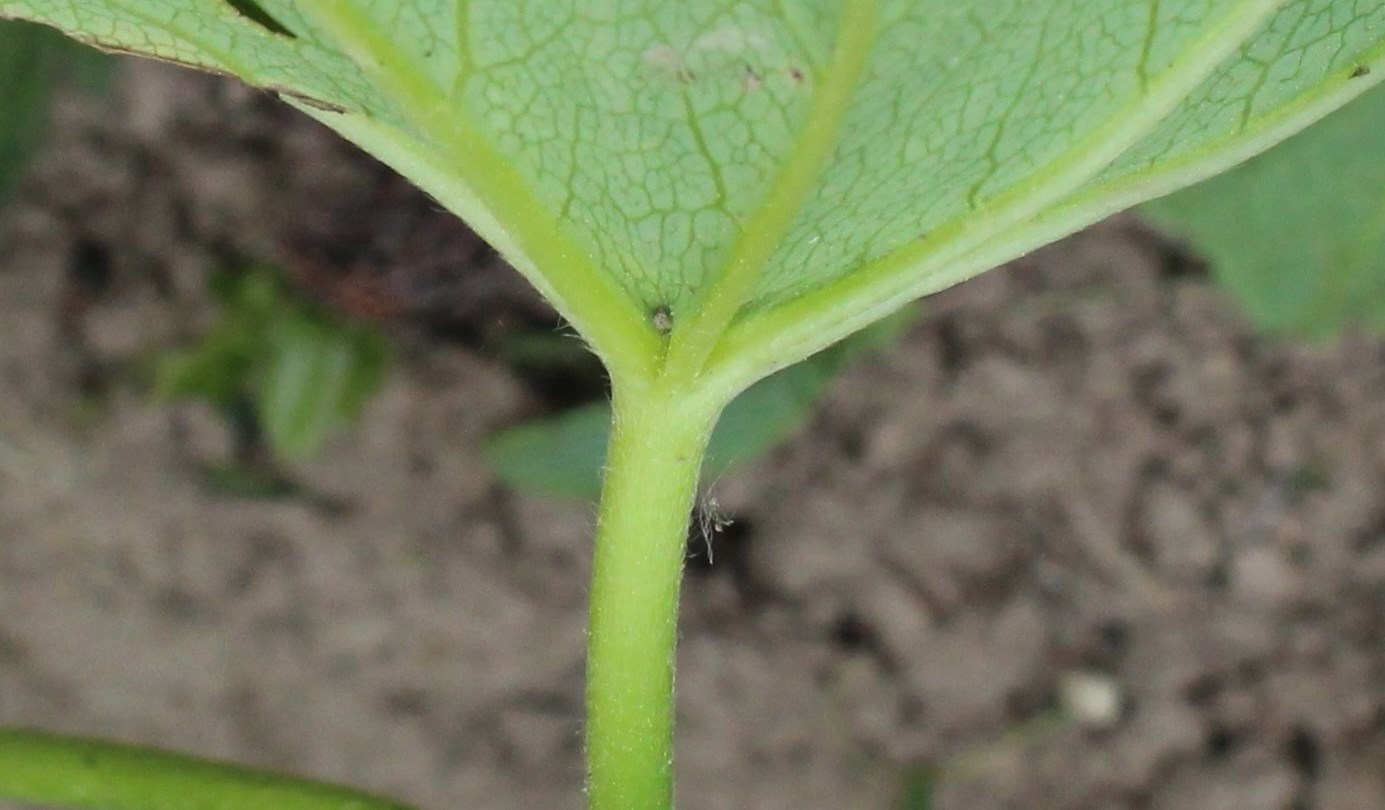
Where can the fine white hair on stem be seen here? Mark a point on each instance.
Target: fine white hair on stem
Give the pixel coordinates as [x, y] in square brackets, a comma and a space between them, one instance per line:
[711, 521]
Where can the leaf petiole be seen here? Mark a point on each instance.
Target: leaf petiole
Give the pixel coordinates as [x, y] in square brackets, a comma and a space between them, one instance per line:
[657, 444]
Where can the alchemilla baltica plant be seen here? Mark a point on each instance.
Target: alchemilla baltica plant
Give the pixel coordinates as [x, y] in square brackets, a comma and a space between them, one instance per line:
[712, 190]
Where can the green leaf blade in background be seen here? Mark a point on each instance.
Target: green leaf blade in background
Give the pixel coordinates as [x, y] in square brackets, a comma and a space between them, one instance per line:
[24, 95]
[1297, 234]
[558, 457]
[50, 769]
[306, 372]
[33, 62]
[316, 377]
[920, 788]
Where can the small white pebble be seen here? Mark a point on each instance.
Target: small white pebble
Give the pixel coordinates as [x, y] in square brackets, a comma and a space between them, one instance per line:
[1091, 698]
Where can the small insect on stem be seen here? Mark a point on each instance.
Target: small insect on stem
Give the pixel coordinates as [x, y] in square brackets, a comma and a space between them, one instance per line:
[662, 320]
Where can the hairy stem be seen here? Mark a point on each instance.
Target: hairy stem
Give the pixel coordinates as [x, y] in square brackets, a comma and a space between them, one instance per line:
[657, 444]
[63, 772]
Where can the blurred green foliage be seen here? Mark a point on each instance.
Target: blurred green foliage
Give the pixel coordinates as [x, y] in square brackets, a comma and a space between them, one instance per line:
[918, 789]
[34, 61]
[562, 456]
[1298, 234]
[301, 371]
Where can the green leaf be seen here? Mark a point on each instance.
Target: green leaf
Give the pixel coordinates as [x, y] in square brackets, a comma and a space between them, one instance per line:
[306, 372]
[559, 457]
[219, 368]
[920, 786]
[32, 61]
[1298, 233]
[713, 190]
[214, 371]
[317, 377]
[69, 772]
[23, 96]
[778, 407]
[562, 456]
[774, 175]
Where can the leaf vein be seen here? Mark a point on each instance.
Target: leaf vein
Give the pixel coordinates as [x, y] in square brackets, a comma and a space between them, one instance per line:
[693, 340]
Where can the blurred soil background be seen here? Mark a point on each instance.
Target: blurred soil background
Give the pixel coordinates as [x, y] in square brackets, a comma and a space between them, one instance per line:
[1080, 541]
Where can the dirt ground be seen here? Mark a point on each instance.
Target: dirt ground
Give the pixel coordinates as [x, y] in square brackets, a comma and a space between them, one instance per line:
[1081, 541]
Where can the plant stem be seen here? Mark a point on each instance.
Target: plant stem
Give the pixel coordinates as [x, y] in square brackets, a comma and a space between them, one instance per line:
[657, 443]
[65, 772]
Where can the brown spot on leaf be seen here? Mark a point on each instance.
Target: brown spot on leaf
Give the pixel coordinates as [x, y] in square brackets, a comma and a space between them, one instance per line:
[751, 81]
[796, 74]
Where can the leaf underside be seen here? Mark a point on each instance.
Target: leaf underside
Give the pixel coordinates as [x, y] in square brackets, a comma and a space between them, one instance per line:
[1297, 234]
[773, 174]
